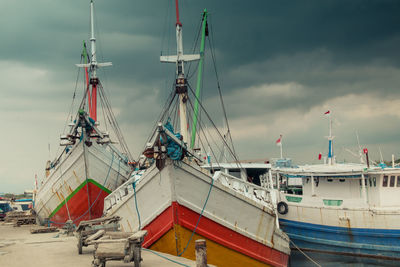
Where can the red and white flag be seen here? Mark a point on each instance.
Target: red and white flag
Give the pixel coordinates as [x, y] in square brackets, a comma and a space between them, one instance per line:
[279, 141]
[328, 113]
[319, 156]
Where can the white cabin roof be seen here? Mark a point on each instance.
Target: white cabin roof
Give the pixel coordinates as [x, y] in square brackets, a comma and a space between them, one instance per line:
[324, 169]
[233, 165]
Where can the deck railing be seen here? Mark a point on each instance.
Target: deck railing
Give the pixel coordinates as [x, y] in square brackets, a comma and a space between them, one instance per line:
[252, 191]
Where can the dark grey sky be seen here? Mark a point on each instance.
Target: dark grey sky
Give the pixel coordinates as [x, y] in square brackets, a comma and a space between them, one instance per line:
[282, 64]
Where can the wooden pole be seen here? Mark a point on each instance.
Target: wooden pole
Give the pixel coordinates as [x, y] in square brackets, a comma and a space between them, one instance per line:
[201, 253]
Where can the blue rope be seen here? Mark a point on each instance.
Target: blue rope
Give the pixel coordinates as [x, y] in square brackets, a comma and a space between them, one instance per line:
[162, 256]
[119, 168]
[198, 220]
[137, 209]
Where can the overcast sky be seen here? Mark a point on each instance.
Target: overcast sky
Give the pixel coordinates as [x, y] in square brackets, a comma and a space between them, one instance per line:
[281, 65]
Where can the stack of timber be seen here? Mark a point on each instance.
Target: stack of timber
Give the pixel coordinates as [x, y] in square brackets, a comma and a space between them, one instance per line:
[42, 230]
[20, 218]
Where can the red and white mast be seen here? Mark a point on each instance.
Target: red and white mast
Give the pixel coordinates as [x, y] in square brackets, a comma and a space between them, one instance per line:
[93, 66]
[181, 82]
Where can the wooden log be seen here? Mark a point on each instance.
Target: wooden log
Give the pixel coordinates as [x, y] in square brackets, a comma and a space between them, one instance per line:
[201, 253]
[119, 234]
[100, 220]
[103, 241]
[138, 236]
[44, 230]
[110, 250]
[95, 236]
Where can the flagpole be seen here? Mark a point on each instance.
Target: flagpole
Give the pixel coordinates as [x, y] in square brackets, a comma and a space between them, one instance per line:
[281, 150]
[330, 138]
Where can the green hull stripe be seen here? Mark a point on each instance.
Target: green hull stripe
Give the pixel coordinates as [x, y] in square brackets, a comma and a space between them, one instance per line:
[76, 191]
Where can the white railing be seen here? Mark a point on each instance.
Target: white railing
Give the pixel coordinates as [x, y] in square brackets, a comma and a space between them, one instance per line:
[122, 192]
[249, 190]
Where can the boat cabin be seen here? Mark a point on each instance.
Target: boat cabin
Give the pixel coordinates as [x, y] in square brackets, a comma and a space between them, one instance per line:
[340, 183]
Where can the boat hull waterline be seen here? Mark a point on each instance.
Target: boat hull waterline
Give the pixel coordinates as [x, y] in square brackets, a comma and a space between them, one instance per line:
[340, 236]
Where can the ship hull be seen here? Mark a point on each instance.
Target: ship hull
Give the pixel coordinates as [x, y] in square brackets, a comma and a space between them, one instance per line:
[168, 203]
[358, 232]
[76, 187]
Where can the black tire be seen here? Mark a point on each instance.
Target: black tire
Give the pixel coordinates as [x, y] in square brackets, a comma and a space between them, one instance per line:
[282, 208]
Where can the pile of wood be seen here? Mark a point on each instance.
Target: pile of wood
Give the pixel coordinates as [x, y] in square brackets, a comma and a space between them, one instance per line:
[20, 218]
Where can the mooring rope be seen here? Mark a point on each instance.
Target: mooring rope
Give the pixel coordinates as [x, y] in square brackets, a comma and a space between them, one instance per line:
[162, 256]
[302, 252]
[198, 220]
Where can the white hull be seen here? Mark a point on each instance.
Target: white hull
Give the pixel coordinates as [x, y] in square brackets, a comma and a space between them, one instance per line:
[96, 164]
[189, 185]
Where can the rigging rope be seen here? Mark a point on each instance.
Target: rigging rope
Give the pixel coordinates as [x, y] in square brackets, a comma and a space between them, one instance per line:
[218, 85]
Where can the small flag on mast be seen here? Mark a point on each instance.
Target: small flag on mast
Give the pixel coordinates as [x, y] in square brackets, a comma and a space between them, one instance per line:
[328, 112]
[279, 141]
[319, 156]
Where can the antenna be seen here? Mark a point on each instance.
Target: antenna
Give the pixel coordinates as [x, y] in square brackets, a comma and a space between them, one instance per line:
[380, 152]
[331, 160]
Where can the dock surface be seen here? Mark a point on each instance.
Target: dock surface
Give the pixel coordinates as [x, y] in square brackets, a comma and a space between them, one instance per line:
[20, 248]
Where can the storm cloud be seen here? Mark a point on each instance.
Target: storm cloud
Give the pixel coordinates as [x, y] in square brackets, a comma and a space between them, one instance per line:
[281, 65]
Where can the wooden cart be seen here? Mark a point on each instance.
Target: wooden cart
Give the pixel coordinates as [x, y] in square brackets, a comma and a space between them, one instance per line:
[116, 247]
[88, 228]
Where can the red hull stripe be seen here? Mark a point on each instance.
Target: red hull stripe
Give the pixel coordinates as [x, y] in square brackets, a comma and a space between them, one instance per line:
[158, 227]
[213, 231]
[77, 202]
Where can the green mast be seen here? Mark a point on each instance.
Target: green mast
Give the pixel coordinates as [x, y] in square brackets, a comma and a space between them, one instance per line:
[199, 77]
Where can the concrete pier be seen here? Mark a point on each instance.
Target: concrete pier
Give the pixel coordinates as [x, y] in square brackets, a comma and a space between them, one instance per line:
[20, 248]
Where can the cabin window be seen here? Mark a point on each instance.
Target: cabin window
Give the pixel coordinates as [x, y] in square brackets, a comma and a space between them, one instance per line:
[342, 180]
[392, 181]
[374, 180]
[385, 181]
[370, 182]
[398, 181]
[329, 180]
